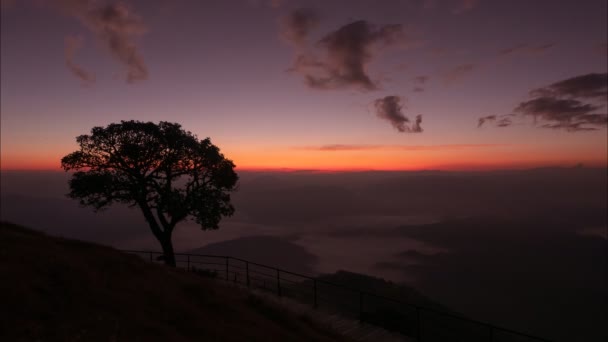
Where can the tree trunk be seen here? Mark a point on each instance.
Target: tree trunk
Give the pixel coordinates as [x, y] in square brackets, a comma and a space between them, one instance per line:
[168, 254]
[164, 237]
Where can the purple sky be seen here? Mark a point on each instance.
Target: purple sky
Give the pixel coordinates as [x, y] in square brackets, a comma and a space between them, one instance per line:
[221, 69]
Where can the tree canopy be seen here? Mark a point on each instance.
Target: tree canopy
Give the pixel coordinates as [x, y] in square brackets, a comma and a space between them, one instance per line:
[164, 170]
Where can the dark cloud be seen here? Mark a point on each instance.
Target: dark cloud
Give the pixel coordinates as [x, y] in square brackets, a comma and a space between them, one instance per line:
[416, 128]
[458, 72]
[298, 24]
[418, 89]
[569, 126]
[390, 108]
[569, 114]
[551, 108]
[115, 26]
[485, 119]
[525, 49]
[346, 55]
[499, 120]
[589, 86]
[574, 104]
[73, 44]
[504, 121]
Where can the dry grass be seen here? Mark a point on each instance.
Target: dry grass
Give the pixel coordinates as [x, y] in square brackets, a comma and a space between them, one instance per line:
[55, 289]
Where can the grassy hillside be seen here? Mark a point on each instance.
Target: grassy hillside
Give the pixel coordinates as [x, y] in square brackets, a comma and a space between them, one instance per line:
[56, 289]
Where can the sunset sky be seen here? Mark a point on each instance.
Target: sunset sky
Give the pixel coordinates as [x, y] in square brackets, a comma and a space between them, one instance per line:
[325, 85]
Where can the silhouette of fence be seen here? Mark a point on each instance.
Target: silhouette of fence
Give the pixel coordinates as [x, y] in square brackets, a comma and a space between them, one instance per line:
[421, 323]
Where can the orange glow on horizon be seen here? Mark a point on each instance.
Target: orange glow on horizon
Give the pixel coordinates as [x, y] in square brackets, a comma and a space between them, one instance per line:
[336, 158]
[353, 161]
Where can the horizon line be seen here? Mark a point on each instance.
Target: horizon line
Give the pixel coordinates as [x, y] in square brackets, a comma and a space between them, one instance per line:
[477, 168]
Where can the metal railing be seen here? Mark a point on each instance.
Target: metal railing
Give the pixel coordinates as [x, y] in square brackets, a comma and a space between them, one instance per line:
[422, 323]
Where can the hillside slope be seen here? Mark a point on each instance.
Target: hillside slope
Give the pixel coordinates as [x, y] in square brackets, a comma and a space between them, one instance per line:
[67, 290]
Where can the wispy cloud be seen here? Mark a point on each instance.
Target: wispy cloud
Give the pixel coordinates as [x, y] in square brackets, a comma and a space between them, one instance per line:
[390, 108]
[115, 25]
[354, 147]
[73, 44]
[574, 104]
[504, 120]
[589, 86]
[344, 53]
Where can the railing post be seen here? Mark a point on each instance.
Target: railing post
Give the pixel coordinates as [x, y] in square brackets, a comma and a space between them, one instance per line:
[188, 266]
[247, 270]
[150, 256]
[227, 274]
[314, 291]
[278, 283]
[418, 325]
[491, 333]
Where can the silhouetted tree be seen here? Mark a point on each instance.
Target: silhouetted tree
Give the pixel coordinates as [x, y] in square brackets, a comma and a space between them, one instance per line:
[161, 168]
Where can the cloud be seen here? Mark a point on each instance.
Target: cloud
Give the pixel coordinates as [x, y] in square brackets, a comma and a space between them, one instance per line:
[115, 26]
[568, 114]
[298, 24]
[390, 108]
[457, 73]
[525, 49]
[551, 108]
[485, 119]
[589, 86]
[504, 121]
[574, 104]
[499, 120]
[73, 44]
[416, 128]
[355, 147]
[345, 52]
